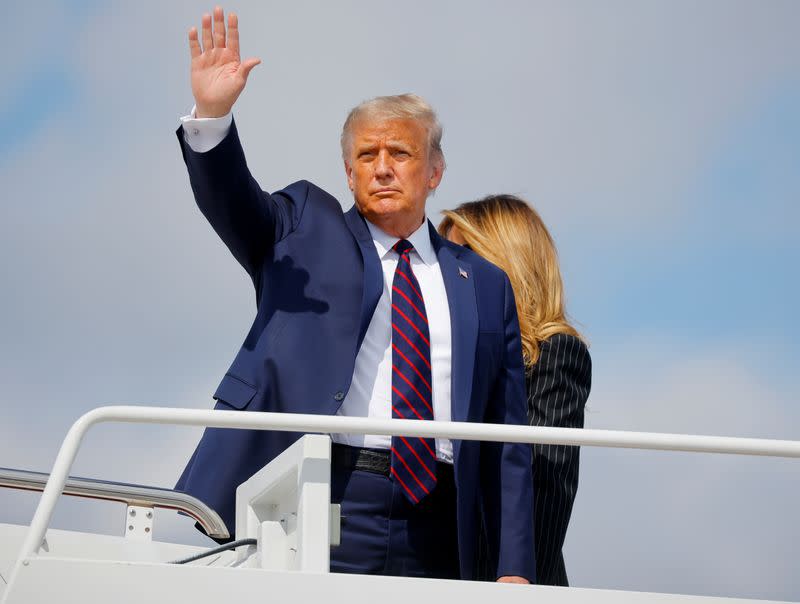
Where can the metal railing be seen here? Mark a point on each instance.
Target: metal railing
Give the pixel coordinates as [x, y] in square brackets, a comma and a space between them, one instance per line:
[290, 422]
[129, 494]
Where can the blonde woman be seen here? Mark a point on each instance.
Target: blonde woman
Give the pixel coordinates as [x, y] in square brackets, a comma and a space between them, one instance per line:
[508, 232]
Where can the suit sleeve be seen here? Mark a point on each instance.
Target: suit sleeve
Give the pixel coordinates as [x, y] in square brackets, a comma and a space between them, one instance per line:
[248, 220]
[506, 484]
[558, 389]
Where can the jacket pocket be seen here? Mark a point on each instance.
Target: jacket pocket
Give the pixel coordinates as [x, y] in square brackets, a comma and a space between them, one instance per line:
[235, 392]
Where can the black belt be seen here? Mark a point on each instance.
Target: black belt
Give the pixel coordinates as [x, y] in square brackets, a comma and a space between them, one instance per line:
[378, 461]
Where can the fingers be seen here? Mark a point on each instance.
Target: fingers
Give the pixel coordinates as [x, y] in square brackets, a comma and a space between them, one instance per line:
[233, 33]
[247, 66]
[208, 44]
[219, 28]
[194, 43]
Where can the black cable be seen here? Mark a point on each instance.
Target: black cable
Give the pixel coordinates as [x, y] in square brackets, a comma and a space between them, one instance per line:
[216, 550]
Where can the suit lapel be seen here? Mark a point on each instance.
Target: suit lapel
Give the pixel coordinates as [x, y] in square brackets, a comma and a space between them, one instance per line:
[460, 286]
[373, 273]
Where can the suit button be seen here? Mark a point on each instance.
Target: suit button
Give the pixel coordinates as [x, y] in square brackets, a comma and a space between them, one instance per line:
[339, 396]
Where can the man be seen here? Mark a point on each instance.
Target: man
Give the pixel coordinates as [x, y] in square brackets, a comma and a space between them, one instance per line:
[367, 313]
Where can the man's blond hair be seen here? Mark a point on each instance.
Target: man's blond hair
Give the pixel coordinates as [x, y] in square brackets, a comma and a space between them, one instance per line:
[396, 107]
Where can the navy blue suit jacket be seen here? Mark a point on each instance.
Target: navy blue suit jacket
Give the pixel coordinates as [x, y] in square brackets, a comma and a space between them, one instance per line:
[318, 278]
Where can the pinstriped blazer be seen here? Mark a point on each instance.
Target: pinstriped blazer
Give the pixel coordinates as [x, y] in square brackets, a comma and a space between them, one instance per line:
[558, 387]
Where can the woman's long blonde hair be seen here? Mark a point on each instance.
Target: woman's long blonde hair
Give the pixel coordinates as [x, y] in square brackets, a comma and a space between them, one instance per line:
[510, 234]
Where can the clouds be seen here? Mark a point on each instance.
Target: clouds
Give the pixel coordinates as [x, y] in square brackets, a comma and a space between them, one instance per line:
[687, 523]
[658, 140]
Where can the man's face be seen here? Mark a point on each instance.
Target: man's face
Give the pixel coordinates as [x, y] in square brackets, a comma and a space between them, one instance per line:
[390, 173]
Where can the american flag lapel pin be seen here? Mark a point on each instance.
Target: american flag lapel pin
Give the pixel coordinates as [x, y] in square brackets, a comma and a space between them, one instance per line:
[462, 273]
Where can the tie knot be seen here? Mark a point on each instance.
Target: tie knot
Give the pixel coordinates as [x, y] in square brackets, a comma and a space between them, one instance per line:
[403, 246]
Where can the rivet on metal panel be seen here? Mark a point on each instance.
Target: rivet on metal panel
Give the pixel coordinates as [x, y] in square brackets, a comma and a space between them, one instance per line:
[140, 522]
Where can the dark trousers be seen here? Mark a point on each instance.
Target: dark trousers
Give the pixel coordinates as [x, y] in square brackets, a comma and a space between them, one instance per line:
[384, 533]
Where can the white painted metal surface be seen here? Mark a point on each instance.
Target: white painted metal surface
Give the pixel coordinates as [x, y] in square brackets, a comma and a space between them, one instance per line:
[34, 573]
[139, 522]
[89, 546]
[286, 506]
[90, 582]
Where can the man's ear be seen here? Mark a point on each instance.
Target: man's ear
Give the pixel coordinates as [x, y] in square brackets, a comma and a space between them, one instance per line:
[437, 172]
[348, 169]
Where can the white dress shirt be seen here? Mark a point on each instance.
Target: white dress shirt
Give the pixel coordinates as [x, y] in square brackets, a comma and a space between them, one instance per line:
[204, 133]
[370, 393]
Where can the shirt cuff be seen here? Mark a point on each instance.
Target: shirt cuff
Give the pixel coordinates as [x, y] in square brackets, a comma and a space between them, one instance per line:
[204, 133]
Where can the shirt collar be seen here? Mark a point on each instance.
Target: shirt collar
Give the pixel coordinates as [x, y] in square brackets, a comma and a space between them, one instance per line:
[420, 239]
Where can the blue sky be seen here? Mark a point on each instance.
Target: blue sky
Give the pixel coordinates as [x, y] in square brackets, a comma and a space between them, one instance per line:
[729, 257]
[659, 140]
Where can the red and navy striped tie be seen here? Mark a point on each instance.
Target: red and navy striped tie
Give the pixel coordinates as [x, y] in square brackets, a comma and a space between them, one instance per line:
[413, 459]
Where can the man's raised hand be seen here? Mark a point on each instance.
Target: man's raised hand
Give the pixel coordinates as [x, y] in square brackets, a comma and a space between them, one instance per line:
[218, 73]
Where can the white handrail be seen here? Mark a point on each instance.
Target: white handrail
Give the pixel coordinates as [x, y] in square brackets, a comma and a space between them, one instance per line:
[290, 422]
